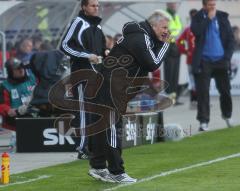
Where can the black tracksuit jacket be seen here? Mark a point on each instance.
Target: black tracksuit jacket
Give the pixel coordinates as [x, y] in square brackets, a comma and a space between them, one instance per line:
[140, 42]
[135, 54]
[84, 37]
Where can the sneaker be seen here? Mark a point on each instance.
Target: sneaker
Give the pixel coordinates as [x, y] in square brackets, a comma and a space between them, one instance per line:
[203, 127]
[82, 155]
[123, 178]
[100, 174]
[229, 122]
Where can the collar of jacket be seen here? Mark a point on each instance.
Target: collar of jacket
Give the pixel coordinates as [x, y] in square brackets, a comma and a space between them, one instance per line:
[148, 28]
[219, 14]
[91, 19]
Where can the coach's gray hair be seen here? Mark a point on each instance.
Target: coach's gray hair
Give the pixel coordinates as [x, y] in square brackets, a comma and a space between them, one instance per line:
[157, 16]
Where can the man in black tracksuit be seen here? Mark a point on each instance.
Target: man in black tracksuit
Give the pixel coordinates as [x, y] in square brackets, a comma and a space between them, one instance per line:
[141, 49]
[211, 59]
[84, 42]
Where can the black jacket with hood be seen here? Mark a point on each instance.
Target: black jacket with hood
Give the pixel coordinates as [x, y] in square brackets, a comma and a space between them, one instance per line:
[135, 54]
[141, 44]
[84, 37]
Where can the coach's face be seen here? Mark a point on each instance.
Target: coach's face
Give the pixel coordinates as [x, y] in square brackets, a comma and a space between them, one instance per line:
[92, 8]
[161, 30]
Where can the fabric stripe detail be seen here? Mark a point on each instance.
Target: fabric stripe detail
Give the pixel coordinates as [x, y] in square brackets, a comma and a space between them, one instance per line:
[113, 130]
[70, 34]
[158, 59]
[82, 116]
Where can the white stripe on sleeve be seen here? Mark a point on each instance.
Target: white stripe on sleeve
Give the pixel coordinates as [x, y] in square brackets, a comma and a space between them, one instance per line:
[69, 35]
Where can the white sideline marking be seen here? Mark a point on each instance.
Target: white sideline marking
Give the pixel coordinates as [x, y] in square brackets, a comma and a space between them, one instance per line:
[176, 171]
[27, 181]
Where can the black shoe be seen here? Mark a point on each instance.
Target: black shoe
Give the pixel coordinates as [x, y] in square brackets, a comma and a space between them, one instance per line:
[82, 155]
[203, 127]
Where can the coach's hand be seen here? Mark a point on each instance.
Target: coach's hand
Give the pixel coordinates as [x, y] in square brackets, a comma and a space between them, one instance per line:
[93, 59]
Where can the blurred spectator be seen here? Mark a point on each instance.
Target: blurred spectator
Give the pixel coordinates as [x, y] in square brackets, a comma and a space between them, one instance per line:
[236, 33]
[16, 92]
[10, 52]
[55, 42]
[25, 50]
[46, 66]
[37, 42]
[172, 62]
[211, 59]
[46, 46]
[11, 48]
[1, 61]
[186, 45]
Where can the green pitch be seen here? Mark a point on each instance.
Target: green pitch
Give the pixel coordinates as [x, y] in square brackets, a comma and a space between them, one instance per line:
[147, 161]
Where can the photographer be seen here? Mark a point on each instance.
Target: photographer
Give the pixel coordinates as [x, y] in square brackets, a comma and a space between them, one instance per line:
[16, 92]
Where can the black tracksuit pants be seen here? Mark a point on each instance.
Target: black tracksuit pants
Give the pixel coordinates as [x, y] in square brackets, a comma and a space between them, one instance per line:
[107, 147]
[222, 80]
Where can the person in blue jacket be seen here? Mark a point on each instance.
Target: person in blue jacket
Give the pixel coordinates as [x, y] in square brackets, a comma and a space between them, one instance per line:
[211, 59]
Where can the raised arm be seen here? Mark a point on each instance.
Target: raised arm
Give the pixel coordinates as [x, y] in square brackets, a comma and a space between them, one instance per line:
[148, 57]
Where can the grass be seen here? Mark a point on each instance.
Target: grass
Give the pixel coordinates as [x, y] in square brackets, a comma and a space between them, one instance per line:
[221, 176]
[149, 160]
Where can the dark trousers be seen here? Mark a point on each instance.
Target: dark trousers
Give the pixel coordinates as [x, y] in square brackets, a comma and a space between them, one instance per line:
[103, 152]
[81, 120]
[222, 80]
[171, 69]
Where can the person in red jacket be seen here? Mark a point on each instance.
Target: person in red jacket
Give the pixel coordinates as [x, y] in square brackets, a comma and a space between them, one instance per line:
[186, 45]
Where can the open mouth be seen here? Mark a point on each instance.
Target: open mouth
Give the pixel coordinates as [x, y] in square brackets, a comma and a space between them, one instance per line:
[164, 35]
